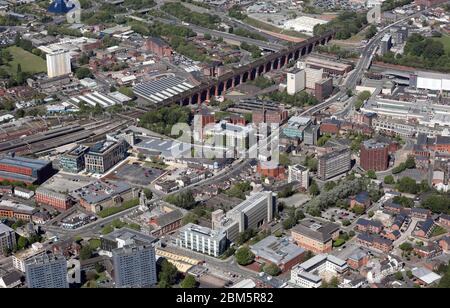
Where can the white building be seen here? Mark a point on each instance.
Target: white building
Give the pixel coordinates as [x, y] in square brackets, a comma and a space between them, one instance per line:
[308, 274]
[58, 63]
[20, 258]
[296, 81]
[312, 75]
[259, 208]
[202, 239]
[431, 81]
[300, 174]
[23, 193]
[303, 24]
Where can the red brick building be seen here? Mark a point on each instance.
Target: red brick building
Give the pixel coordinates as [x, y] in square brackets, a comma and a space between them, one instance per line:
[57, 200]
[278, 172]
[330, 126]
[374, 155]
[159, 47]
[269, 116]
[358, 259]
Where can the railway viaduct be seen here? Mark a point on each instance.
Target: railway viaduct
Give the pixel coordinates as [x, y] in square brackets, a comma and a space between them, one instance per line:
[233, 78]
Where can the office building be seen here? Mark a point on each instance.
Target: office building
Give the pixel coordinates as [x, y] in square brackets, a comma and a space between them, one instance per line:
[134, 266]
[296, 81]
[296, 127]
[124, 237]
[58, 63]
[334, 163]
[27, 170]
[7, 238]
[73, 160]
[311, 135]
[22, 257]
[46, 271]
[202, 239]
[278, 251]
[300, 174]
[312, 75]
[259, 208]
[386, 44]
[374, 155]
[104, 155]
[315, 235]
[323, 89]
[309, 273]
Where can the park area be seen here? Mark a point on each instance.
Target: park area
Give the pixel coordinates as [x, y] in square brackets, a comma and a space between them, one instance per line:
[29, 62]
[445, 40]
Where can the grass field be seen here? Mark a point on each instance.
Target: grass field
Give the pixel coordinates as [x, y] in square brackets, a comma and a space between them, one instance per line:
[445, 39]
[30, 63]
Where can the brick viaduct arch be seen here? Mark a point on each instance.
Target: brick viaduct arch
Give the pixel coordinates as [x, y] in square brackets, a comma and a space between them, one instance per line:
[248, 72]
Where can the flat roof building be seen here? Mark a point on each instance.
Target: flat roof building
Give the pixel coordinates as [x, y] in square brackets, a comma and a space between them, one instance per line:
[134, 266]
[278, 251]
[202, 239]
[46, 271]
[123, 237]
[16, 210]
[27, 170]
[104, 155]
[328, 66]
[73, 160]
[315, 235]
[7, 238]
[102, 194]
[334, 163]
[309, 273]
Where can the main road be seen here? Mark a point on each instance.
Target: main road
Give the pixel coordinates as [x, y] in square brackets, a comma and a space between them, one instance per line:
[362, 65]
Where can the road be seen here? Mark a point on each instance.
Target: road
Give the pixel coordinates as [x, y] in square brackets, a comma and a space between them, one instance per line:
[363, 64]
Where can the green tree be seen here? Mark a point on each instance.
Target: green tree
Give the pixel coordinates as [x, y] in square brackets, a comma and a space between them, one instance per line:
[371, 174]
[22, 243]
[148, 193]
[314, 189]
[329, 185]
[244, 256]
[271, 269]
[389, 179]
[189, 218]
[85, 253]
[371, 31]
[406, 247]
[168, 274]
[399, 276]
[407, 185]
[83, 72]
[188, 282]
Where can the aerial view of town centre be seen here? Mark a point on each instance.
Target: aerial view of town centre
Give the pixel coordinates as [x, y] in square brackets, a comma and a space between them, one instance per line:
[225, 151]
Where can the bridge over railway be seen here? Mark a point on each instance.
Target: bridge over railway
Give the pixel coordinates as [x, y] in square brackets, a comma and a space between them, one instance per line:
[233, 78]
